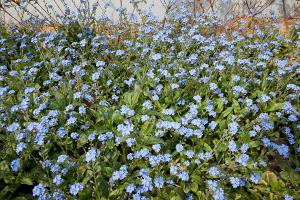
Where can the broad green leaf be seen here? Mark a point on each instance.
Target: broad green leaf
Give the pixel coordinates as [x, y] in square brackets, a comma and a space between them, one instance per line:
[132, 98]
[153, 140]
[83, 139]
[26, 181]
[187, 188]
[236, 106]
[226, 112]
[274, 107]
[219, 103]
[148, 127]
[194, 187]
[117, 117]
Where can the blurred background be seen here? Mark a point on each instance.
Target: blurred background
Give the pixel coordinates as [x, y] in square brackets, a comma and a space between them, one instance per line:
[16, 10]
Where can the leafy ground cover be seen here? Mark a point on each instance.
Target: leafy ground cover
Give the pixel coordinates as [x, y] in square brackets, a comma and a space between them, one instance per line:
[170, 111]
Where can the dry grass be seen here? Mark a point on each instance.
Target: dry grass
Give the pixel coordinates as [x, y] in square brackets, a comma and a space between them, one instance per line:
[285, 25]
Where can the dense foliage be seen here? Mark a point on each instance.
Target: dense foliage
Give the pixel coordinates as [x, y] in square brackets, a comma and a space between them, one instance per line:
[149, 111]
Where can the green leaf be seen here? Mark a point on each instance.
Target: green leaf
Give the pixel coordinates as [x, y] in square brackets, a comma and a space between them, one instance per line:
[4, 167]
[115, 193]
[205, 146]
[187, 188]
[201, 195]
[196, 178]
[104, 188]
[177, 194]
[219, 105]
[278, 186]
[254, 194]
[222, 123]
[194, 187]
[98, 115]
[20, 198]
[168, 100]
[132, 98]
[222, 147]
[226, 112]
[148, 127]
[254, 144]
[153, 140]
[274, 106]
[290, 175]
[117, 117]
[9, 179]
[26, 181]
[236, 106]
[8, 189]
[83, 139]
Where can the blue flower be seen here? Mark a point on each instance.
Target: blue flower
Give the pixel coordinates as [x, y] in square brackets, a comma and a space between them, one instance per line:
[244, 148]
[54, 168]
[96, 76]
[243, 159]
[20, 147]
[189, 153]
[184, 176]
[61, 132]
[75, 188]
[212, 125]
[125, 129]
[255, 178]
[233, 128]
[13, 127]
[168, 111]
[126, 111]
[213, 86]
[156, 147]
[179, 148]
[197, 98]
[38, 190]
[91, 155]
[120, 52]
[58, 196]
[288, 197]
[282, 149]
[293, 118]
[236, 182]
[100, 63]
[212, 184]
[74, 135]
[214, 171]
[130, 142]
[148, 105]
[130, 188]
[15, 165]
[61, 158]
[71, 121]
[91, 137]
[156, 56]
[119, 175]
[219, 194]
[159, 182]
[237, 90]
[266, 141]
[57, 180]
[145, 118]
[232, 146]
[265, 98]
